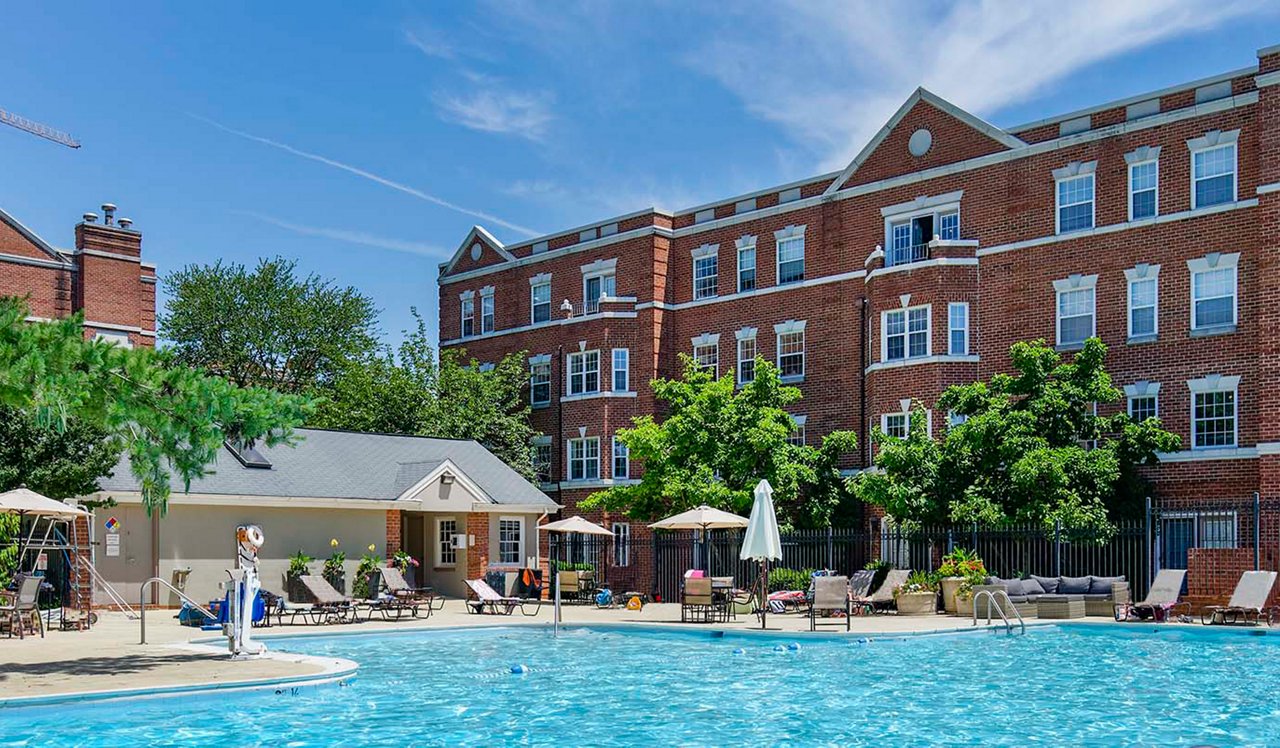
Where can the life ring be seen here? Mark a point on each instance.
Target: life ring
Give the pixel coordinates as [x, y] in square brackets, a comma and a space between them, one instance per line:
[635, 603]
[252, 534]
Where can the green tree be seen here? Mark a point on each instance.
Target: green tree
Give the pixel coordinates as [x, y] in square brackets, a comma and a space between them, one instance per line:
[408, 392]
[1032, 448]
[717, 442]
[166, 417]
[266, 327]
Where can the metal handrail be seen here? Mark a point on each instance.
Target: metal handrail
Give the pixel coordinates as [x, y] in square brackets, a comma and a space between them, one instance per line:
[142, 603]
[991, 598]
[125, 608]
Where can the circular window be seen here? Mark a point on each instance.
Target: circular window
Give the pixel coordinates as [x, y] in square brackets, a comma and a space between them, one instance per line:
[475, 251]
[921, 141]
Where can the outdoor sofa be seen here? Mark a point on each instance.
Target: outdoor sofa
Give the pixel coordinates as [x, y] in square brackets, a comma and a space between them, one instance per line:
[1101, 595]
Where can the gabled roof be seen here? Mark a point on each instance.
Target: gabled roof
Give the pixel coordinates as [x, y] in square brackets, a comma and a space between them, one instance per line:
[33, 237]
[476, 232]
[919, 95]
[354, 465]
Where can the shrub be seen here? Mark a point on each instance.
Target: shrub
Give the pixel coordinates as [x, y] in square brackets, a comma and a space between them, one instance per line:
[299, 565]
[789, 579]
[919, 581]
[369, 563]
[881, 568]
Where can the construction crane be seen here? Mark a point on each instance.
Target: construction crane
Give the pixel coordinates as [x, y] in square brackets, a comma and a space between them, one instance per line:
[37, 129]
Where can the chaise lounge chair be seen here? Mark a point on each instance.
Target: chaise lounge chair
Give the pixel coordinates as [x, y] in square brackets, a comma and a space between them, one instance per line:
[1248, 602]
[396, 585]
[882, 599]
[328, 606]
[21, 610]
[1161, 600]
[487, 600]
[830, 593]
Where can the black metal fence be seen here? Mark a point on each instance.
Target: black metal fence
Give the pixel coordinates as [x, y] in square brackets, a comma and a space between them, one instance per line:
[1007, 551]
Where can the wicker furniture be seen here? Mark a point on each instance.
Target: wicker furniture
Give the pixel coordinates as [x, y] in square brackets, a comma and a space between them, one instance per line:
[1100, 595]
[1060, 606]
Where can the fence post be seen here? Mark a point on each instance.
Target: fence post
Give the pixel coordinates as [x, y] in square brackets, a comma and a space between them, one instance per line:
[1257, 532]
[1146, 542]
[951, 542]
[1057, 547]
[654, 536]
[973, 538]
[831, 561]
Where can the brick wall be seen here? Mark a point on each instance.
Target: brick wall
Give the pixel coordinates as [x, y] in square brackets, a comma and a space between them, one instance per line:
[394, 533]
[477, 553]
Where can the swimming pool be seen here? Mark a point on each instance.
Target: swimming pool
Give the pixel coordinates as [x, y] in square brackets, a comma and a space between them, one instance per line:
[1072, 684]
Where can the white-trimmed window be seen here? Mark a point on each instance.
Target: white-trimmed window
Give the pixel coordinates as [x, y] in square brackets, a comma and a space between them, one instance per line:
[746, 355]
[584, 372]
[1213, 168]
[955, 419]
[486, 309]
[797, 435]
[542, 458]
[1073, 188]
[1214, 280]
[510, 540]
[621, 460]
[540, 381]
[897, 425]
[905, 333]
[706, 271]
[621, 369]
[1144, 182]
[540, 298]
[621, 544]
[958, 328]
[909, 237]
[468, 313]
[790, 254]
[706, 353]
[118, 338]
[790, 342]
[1142, 407]
[1075, 305]
[584, 458]
[446, 554]
[599, 280]
[1143, 308]
[1214, 409]
[746, 263]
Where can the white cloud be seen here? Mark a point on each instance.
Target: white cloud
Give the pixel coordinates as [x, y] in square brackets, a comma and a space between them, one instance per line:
[412, 191]
[354, 237]
[491, 108]
[430, 42]
[832, 73]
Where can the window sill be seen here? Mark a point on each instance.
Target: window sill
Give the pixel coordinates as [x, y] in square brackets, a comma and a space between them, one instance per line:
[793, 379]
[1140, 339]
[596, 395]
[1063, 347]
[540, 406]
[1207, 332]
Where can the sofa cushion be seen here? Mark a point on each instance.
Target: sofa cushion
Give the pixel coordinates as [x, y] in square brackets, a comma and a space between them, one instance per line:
[1074, 585]
[1014, 587]
[1019, 599]
[1032, 586]
[1102, 585]
[1048, 584]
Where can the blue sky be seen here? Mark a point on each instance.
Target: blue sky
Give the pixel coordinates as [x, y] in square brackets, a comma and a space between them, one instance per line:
[364, 139]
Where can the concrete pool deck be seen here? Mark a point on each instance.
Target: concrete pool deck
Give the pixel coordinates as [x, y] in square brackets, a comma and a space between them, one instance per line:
[109, 658]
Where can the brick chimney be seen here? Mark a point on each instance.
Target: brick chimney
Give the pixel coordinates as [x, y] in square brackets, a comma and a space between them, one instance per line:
[113, 287]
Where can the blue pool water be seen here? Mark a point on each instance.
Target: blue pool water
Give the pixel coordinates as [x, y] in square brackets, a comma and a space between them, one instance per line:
[1068, 685]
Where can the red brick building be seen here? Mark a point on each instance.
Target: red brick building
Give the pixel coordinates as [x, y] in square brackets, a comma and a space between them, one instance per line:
[1151, 222]
[103, 277]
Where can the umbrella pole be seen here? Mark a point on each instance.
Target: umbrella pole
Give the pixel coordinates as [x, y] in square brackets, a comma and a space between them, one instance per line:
[764, 592]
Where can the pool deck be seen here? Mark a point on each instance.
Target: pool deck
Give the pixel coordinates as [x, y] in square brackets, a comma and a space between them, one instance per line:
[109, 658]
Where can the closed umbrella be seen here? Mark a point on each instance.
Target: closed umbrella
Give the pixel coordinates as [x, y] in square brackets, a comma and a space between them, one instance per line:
[703, 518]
[762, 542]
[573, 524]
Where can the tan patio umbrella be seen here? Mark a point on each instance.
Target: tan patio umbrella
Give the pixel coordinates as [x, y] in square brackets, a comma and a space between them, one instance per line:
[27, 503]
[703, 518]
[573, 524]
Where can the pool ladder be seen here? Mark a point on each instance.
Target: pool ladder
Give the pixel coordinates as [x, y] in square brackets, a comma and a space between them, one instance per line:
[993, 600]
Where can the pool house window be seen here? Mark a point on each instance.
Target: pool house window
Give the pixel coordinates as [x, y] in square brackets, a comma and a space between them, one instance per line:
[1213, 291]
[905, 333]
[706, 271]
[790, 242]
[584, 372]
[1075, 307]
[584, 458]
[446, 554]
[1214, 411]
[1213, 168]
[510, 540]
[746, 263]
[1073, 187]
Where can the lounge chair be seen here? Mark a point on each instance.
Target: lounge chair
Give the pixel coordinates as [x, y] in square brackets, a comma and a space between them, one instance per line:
[487, 600]
[1248, 602]
[327, 606]
[1161, 600]
[860, 584]
[882, 599]
[396, 585]
[21, 608]
[830, 593]
[697, 601]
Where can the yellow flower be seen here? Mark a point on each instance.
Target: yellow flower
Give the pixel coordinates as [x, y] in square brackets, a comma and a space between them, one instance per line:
[333, 543]
[372, 547]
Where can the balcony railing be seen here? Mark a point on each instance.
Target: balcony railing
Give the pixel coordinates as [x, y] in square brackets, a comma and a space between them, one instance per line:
[905, 255]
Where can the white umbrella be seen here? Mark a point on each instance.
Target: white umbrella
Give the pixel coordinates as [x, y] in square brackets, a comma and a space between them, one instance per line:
[25, 502]
[762, 542]
[573, 524]
[702, 518]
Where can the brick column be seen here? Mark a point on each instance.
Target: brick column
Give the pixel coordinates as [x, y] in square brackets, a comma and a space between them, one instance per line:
[478, 554]
[80, 560]
[393, 532]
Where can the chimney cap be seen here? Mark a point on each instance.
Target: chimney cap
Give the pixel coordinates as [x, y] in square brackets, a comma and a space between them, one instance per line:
[108, 207]
[90, 217]
[125, 222]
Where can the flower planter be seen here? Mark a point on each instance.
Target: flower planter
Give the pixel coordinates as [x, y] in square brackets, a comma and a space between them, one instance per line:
[337, 581]
[917, 603]
[295, 591]
[950, 585]
[964, 605]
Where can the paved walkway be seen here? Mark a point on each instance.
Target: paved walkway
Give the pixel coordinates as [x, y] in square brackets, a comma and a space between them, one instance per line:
[109, 657]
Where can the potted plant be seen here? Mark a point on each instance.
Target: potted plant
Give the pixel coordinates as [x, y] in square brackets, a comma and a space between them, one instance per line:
[957, 566]
[964, 595]
[406, 564]
[299, 566]
[334, 571]
[918, 596]
[369, 565]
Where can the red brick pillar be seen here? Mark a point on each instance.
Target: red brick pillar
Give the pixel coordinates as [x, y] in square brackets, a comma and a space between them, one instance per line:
[477, 554]
[81, 557]
[393, 532]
